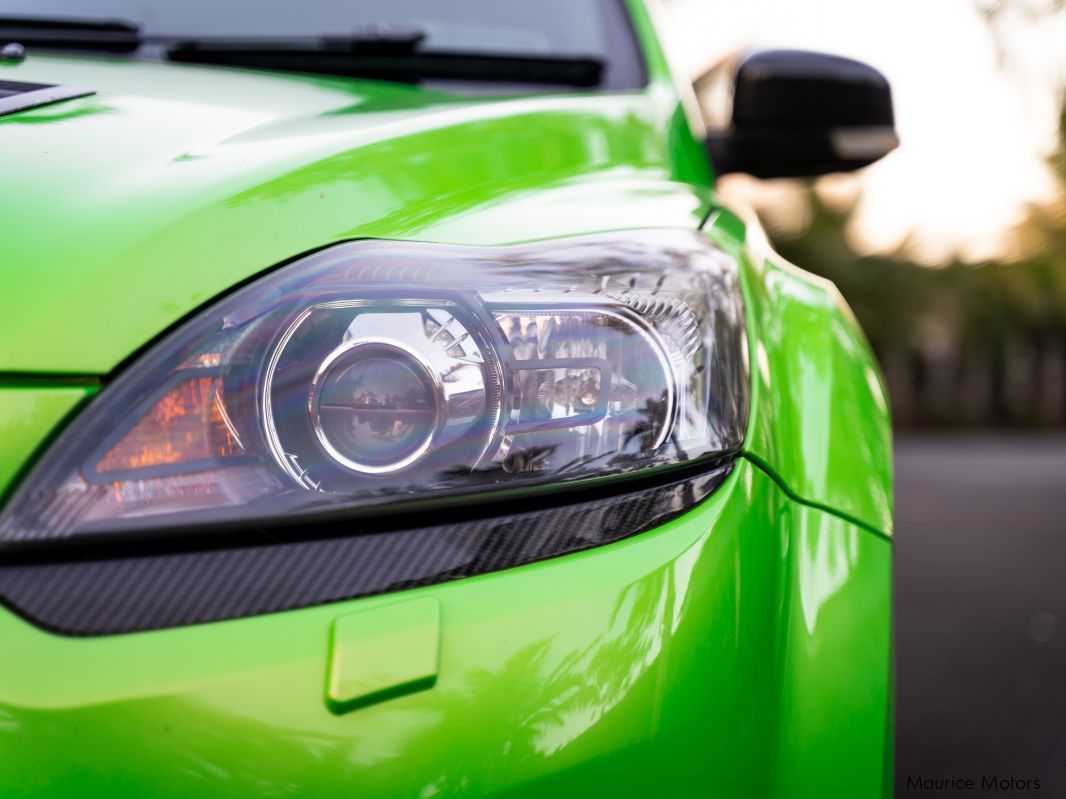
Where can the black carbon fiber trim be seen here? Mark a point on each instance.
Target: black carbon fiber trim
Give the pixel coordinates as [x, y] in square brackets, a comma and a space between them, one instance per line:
[146, 592]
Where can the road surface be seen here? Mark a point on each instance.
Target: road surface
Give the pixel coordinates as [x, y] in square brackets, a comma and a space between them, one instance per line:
[980, 604]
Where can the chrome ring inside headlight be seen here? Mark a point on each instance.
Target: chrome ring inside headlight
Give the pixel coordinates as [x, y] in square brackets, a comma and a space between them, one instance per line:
[385, 384]
[378, 372]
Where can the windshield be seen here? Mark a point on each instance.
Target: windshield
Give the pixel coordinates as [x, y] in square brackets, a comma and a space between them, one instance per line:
[593, 30]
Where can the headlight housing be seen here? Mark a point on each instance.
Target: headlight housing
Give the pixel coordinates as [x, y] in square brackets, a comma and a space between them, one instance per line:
[374, 375]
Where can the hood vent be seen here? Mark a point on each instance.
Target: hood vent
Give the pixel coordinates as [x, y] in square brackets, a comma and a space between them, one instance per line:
[16, 96]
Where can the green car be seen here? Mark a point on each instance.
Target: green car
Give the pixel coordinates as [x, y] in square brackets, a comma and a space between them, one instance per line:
[390, 407]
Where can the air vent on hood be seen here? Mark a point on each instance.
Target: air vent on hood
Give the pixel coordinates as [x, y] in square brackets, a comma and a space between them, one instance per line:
[17, 96]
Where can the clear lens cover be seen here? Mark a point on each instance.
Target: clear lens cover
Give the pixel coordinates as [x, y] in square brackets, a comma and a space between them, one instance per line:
[374, 373]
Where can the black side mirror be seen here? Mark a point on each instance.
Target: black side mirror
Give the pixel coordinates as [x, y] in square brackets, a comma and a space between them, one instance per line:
[798, 113]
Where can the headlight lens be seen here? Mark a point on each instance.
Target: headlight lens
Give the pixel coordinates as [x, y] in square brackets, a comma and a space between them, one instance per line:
[378, 373]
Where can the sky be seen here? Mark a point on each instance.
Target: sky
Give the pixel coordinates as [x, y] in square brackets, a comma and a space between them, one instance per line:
[975, 108]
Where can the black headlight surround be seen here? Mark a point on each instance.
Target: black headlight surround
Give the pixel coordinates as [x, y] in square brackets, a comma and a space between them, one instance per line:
[113, 589]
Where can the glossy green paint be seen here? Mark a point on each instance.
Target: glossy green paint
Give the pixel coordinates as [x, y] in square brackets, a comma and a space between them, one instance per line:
[820, 417]
[134, 206]
[28, 416]
[741, 650]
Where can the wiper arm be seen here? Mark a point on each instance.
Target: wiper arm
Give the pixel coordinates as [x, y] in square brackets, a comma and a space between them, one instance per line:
[389, 56]
[112, 36]
[119, 36]
[379, 52]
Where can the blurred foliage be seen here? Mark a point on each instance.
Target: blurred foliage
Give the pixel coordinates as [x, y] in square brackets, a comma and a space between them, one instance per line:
[961, 344]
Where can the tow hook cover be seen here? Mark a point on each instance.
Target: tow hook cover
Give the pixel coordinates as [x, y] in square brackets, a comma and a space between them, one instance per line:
[382, 653]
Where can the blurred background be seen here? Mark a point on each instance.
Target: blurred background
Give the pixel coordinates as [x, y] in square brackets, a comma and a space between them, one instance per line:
[952, 253]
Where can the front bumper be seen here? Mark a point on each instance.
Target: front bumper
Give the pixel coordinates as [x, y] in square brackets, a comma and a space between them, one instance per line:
[742, 649]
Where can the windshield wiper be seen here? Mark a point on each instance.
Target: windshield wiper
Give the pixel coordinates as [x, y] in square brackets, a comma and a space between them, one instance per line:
[389, 56]
[112, 36]
[379, 52]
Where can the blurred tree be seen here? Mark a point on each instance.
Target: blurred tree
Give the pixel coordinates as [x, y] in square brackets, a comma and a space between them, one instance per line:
[964, 344]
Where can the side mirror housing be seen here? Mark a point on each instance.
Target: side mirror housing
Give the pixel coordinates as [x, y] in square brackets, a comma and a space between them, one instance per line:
[798, 113]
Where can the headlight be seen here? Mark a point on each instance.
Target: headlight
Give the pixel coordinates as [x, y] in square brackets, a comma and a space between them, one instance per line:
[382, 373]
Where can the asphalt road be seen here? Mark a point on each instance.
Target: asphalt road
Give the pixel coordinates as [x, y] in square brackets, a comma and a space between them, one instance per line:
[980, 603]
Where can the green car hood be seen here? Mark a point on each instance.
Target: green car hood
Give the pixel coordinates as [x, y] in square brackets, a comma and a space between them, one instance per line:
[126, 210]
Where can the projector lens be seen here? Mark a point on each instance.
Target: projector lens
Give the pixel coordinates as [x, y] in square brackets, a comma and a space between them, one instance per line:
[374, 406]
